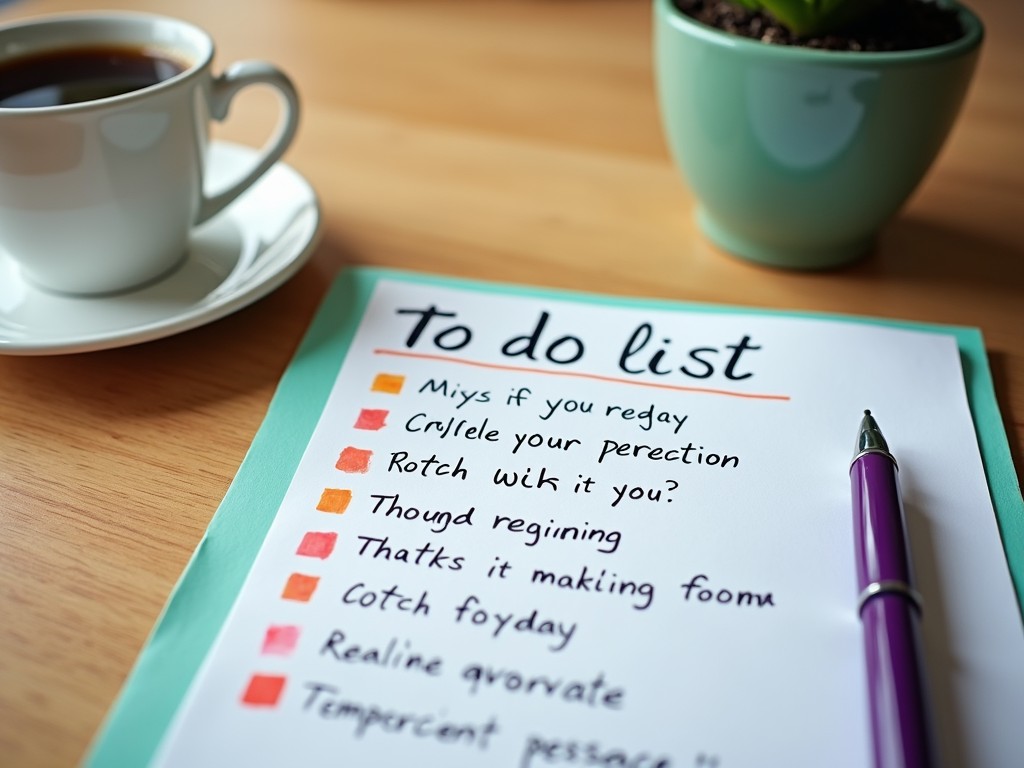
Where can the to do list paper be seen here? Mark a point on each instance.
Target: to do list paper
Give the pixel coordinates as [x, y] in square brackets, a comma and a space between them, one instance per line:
[534, 529]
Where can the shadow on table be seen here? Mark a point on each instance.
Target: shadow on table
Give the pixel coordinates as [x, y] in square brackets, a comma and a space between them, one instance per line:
[997, 362]
[985, 272]
[183, 372]
[930, 252]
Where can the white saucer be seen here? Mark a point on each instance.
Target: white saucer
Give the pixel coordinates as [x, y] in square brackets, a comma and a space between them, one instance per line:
[241, 255]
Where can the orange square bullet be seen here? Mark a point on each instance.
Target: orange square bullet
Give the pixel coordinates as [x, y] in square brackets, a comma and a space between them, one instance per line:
[300, 587]
[389, 383]
[334, 500]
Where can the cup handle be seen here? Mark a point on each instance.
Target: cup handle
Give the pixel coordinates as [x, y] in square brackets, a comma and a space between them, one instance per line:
[223, 89]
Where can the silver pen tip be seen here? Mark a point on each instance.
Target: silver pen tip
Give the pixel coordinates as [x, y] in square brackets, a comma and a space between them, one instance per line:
[869, 437]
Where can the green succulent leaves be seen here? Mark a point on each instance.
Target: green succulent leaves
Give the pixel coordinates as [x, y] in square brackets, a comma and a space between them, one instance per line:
[811, 17]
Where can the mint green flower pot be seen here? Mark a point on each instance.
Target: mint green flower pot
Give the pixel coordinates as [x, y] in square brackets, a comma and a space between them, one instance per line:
[797, 157]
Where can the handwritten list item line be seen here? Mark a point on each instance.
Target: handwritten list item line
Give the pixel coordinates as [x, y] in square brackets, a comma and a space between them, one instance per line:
[579, 375]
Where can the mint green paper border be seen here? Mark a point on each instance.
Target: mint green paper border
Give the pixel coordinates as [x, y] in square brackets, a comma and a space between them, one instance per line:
[207, 589]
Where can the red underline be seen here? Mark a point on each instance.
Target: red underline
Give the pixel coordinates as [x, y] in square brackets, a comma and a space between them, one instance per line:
[578, 375]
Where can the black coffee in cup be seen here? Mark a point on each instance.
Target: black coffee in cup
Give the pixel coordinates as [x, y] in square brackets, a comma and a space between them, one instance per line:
[73, 75]
[101, 192]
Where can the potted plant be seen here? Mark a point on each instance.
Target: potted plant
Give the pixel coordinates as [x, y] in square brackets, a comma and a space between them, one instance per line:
[802, 126]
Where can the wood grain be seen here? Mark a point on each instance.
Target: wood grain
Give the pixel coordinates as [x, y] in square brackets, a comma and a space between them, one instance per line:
[503, 140]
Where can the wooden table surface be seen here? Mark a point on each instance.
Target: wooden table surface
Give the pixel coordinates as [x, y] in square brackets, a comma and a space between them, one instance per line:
[514, 141]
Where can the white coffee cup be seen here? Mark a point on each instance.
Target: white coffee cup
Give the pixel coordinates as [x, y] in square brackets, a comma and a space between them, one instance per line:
[101, 195]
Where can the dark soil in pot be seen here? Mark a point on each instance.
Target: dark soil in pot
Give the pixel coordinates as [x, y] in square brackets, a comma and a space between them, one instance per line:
[895, 25]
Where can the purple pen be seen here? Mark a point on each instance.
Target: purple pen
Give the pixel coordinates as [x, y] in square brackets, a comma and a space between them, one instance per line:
[888, 606]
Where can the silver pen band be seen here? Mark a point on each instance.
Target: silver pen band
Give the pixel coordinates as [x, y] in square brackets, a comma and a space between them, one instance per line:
[878, 452]
[888, 587]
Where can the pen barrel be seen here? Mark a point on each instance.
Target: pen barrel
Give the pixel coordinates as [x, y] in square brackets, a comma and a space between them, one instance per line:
[889, 614]
[895, 688]
[879, 537]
